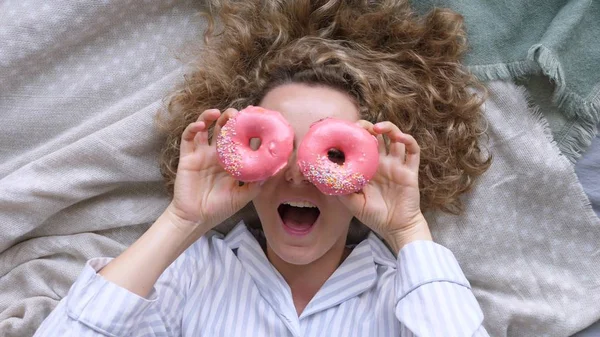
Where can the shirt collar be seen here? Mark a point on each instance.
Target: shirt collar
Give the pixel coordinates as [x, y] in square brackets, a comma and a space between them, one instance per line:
[267, 279]
[355, 275]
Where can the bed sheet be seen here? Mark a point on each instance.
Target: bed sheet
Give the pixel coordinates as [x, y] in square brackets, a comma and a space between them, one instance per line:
[588, 171]
[80, 84]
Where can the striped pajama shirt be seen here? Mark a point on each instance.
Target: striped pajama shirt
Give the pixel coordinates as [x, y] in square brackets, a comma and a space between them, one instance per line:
[226, 286]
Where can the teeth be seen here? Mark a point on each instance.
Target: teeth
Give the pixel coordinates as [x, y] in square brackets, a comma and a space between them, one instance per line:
[300, 204]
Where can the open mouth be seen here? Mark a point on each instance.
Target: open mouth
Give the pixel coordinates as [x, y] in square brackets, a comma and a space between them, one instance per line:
[298, 217]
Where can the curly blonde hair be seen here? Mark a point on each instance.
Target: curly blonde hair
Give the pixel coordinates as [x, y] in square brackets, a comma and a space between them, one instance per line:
[397, 66]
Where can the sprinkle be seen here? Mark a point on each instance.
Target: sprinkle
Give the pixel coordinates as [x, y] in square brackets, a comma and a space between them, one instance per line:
[227, 149]
[336, 179]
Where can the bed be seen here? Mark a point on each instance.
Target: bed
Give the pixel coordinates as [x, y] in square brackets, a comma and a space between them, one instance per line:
[81, 82]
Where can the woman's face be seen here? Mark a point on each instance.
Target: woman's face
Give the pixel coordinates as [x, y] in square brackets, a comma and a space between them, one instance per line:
[295, 233]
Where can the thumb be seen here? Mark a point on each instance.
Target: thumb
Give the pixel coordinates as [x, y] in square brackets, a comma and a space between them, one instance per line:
[354, 202]
[246, 192]
[252, 189]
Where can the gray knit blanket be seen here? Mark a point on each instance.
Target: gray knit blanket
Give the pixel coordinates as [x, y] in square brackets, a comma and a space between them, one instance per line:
[80, 84]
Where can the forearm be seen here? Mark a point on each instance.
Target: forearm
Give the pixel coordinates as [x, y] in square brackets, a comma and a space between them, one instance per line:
[138, 268]
[155, 261]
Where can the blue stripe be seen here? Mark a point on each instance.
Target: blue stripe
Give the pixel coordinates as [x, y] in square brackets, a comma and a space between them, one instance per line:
[211, 291]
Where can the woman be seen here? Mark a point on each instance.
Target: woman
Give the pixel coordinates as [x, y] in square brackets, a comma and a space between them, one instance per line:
[376, 64]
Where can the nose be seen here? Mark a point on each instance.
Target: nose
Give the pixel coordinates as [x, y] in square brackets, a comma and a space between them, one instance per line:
[292, 173]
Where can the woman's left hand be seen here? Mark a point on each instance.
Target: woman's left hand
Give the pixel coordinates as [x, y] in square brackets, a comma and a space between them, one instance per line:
[390, 204]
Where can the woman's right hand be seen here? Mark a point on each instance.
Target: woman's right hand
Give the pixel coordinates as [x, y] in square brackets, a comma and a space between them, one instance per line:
[205, 194]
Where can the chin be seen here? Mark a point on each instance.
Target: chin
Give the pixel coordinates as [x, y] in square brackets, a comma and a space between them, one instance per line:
[296, 255]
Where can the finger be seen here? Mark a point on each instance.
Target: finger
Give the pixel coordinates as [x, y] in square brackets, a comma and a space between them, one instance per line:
[392, 132]
[229, 113]
[353, 201]
[209, 115]
[201, 137]
[245, 192]
[367, 126]
[197, 133]
[190, 133]
[381, 146]
[413, 150]
[191, 130]
[397, 149]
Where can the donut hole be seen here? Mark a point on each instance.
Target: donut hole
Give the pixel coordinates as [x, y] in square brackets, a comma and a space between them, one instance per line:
[254, 143]
[336, 156]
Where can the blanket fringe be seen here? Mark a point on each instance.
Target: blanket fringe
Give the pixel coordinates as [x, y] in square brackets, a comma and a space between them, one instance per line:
[541, 120]
[583, 115]
[504, 71]
[577, 138]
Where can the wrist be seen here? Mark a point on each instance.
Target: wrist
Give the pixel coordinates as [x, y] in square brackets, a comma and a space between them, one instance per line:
[180, 223]
[139, 266]
[416, 230]
[182, 233]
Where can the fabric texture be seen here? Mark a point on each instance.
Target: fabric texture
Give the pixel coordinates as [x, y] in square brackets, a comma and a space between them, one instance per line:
[227, 287]
[588, 171]
[557, 38]
[533, 240]
[80, 84]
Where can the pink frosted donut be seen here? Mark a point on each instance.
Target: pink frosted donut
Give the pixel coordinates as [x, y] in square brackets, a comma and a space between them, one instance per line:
[233, 144]
[337, 156]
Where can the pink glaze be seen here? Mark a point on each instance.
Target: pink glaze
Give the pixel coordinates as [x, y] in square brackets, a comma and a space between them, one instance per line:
[359, 148]
[233, 144]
